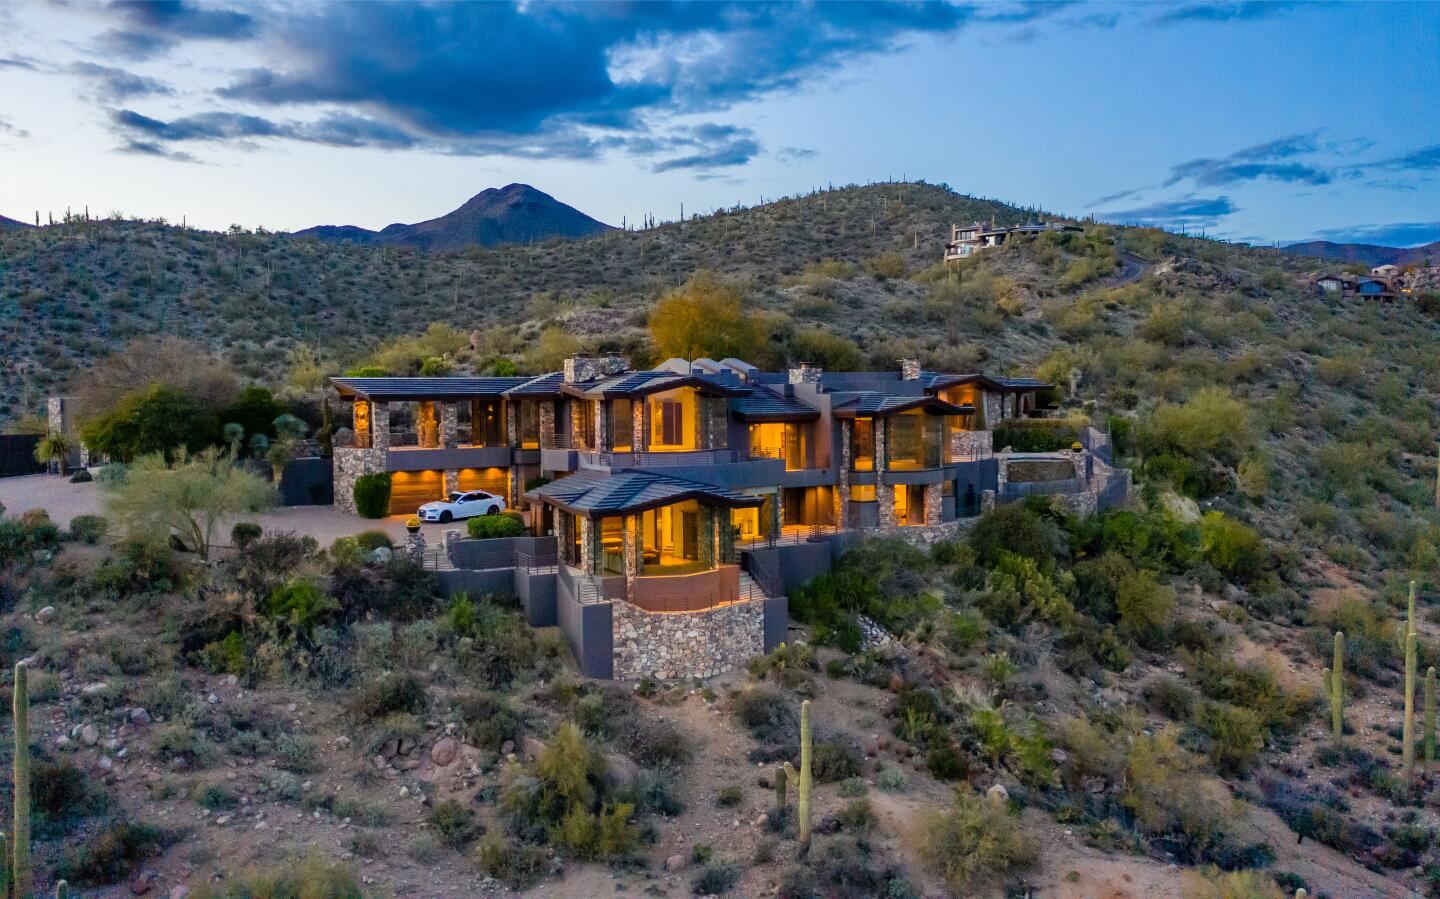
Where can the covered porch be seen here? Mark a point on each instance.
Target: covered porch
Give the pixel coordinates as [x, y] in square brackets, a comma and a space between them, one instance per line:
[661, 543]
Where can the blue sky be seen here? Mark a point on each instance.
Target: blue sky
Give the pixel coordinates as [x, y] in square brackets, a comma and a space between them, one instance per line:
[1252, 121]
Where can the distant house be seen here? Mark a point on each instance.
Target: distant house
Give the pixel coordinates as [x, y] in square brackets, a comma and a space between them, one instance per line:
[1385, 271]
[967, 240]
[1353, 286]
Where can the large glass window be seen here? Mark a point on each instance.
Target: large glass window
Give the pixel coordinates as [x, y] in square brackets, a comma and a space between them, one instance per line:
[967, 395]
[671, 539]
[622, 425]
[529, 424]
[862, 445]
[672, 421]
[903, 444]
[487, 423]
[584, 424]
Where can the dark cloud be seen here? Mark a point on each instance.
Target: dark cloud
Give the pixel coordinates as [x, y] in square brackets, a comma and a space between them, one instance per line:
[10, 128]
[1193, 211]
[721, 146]
[147, 28]
[336, 130]
[1398, 234]
[111, 85]
[1426, 159]
[18, 62]
[796, 154]
[1265, 161]
[150, 148]
[1223, 12]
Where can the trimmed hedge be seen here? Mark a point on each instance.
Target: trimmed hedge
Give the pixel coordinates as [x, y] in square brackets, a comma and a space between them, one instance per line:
[1036, 435]
[486, 527]
[372, 495]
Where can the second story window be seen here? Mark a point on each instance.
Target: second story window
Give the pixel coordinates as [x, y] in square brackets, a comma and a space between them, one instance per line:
[622, 425]
[529, 424]
[672, 423]
[862, 445]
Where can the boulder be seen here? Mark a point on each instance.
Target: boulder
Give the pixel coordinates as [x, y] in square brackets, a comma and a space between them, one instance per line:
[998, 795]
[89, 734]
[46, 615]
[444, 751]
[675, 862]
[139, 716]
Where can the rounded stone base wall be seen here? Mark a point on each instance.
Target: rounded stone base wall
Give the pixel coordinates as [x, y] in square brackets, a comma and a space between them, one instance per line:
[677, 645]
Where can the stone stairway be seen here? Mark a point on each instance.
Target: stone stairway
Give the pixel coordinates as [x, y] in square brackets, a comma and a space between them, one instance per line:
[750, 588]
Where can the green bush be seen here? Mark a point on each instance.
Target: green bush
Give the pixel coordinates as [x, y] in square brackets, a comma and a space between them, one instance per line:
[1036, 435]
[388, 694]
[1233, 547]
[372, 495]
[455, 823]
[113, 854]
[1234, 736]
[82, 476]
[973, 842]
[245, 533]
[1015, 529]
[1145, 607]
[716, 878]
[60, 794]
[88, 528]
[515, 864]
[373, 540]
[312, 877]
[488, 527]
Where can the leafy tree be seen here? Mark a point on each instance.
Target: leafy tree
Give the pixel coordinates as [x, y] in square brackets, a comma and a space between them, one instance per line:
[183, 365]
[551, 349]
[826, 349]
[234, 434]
[706, 317]
[157, 419]
[54, 447]
[255, 410]
[190, 497]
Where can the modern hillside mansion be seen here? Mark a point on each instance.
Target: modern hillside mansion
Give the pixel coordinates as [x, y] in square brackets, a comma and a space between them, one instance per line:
[686, 499]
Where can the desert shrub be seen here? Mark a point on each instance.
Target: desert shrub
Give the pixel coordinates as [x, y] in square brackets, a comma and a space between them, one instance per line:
[1171, 698]
[244, 533]
[81, 476]
[401, 590]
[1016, 530]
[972, 842]
[1234, 736]
[1145, 607]
[1036, 435]
[834, 760]
[312, 877]
[455, 824]
[60, 794]
[1168, 793]
[716, 878]
[945, 761]
[372, 495]
[297, 754]
[489, 527]
[112, 854]
[500, 648]
[216, 797]
[298, 608]
[388, 694]
[887, 266]
[892, 779]
[88, 528]
[516, 864]
[1212, 883]
[1233, 547]
[772, 720]
[373, 540]
[266, 562]
[1252, 687]
[729, 796]
[490, 720]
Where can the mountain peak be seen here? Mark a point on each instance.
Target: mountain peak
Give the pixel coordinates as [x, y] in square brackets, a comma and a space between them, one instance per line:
[515, 213]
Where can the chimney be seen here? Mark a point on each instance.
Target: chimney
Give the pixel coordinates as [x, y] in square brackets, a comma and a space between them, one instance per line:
[582, 368]
[909, 369]
[805, 373]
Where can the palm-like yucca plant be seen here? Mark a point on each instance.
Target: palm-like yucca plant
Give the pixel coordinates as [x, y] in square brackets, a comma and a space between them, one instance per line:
[53, 448]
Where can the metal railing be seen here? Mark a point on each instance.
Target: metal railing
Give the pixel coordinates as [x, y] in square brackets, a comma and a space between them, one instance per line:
[544, 562]
[791, 535]
[765, 572]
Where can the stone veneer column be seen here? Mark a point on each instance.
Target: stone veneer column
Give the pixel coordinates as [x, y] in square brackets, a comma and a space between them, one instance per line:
[452, 481]
[450, 425]
[633, 551]
[842, 485]
[884, 492]
[640, 421]
[934, 503]
[564, 521]
[547, 424]
[512, 423]
[602, 426]
[578, 437]
[587, 546]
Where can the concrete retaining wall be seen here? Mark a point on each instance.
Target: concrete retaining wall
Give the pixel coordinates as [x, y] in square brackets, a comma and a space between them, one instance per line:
[307, 482]
[499, 582]
[588, 629]
[536, 593]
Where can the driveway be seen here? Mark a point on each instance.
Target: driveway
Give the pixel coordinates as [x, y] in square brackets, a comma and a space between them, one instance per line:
[64, 500]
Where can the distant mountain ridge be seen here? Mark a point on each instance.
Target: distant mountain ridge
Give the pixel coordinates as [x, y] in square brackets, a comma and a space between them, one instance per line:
[1368, 253]
[13, 223]
[515, 213]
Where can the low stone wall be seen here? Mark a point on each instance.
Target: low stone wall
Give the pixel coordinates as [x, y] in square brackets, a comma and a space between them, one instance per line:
[925, 536]
[677, 645]
[349, 464]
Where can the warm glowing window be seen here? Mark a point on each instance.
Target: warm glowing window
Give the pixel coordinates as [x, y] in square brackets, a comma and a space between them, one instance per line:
[529, 424]
[622, 425]
[862, 445]
[672, 420]
[862, 493]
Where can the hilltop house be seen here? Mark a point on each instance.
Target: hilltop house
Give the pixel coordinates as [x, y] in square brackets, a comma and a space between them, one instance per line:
[967, 240]
[1347, 286]
[672, 508]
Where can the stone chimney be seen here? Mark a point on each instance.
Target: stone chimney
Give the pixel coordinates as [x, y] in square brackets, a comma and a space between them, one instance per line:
[909, 369]
[805, 373]
[582, 368]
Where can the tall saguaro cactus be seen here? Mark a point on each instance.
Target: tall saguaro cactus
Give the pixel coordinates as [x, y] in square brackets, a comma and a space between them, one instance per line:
[1335, 687]
[1429, 723]
[22, 874]
[782, 778]
[805, 776]
[1407, 730]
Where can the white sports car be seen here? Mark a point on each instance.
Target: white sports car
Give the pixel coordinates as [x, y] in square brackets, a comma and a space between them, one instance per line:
[462, 505]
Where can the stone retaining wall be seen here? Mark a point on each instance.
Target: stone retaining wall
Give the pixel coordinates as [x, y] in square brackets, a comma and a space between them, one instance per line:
[677, 645]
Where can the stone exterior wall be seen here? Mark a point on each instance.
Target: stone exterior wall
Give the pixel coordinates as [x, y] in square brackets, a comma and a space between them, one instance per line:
[994, 408]
[884, 492]
[927, 535]
[547, 423]
[639, 425]
[970, 444]
[580, 369]
[909, 369]
[842, 487]
[678, 645]
[450, 425]
[934, 503]
[350, 464]
[805, 373]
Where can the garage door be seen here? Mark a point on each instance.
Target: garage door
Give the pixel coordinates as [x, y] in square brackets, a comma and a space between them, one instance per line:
[491, 480]
[409, 490]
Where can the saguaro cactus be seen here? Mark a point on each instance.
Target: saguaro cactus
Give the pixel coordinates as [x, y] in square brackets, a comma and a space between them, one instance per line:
[1429, 723]
[22, 877]
[1407, 730]
[781, 783]
[1335, 687]
[805, 777]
